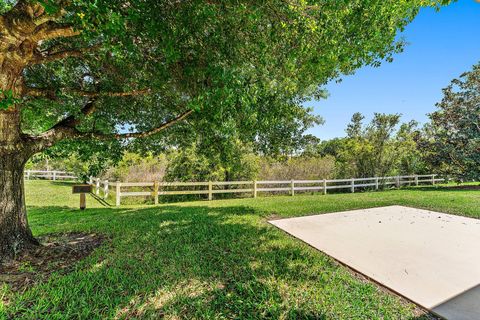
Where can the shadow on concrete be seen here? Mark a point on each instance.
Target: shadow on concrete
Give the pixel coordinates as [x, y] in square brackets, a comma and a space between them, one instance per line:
[464, 306]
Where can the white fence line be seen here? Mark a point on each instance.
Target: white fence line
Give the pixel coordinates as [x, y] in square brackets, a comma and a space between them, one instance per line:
[49, 175]
[252, 187]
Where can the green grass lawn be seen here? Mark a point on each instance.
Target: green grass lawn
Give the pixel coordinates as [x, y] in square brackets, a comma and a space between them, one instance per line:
[214, 260]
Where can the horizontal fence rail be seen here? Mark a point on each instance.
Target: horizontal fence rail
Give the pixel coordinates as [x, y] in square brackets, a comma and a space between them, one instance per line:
[49, 175]
[210, 188]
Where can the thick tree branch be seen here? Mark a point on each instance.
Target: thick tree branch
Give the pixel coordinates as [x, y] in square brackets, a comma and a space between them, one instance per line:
[3, 23]
[39, 92]
[149, 132]
[53, 30]
[44, 18]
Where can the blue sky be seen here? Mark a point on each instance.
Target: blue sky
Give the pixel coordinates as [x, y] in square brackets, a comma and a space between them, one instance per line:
[441, 46]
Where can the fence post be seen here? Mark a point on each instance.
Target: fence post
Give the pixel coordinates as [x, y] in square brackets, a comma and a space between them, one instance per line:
[28, 174]
[90, 180]
[210, 190]
[433, 179]
[352, 185]
[155, 191]
[255, 188]
[105, 189]
[376, 183]
[97, 186]
[416, 180]
[397, 181]
[117, 193]
[54, 175]
[324, 186]
[292, 187]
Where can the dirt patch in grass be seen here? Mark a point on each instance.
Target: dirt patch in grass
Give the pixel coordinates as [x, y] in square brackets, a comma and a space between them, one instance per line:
[273, 216]
[57, 253]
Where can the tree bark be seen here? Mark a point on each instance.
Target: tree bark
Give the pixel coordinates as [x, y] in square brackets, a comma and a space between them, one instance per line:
[15, 233]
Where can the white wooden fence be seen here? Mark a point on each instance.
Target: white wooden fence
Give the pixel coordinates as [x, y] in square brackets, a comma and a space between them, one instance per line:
[156, 189]
[49, 175]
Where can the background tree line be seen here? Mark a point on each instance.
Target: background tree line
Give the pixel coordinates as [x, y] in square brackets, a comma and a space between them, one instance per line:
[380, 148]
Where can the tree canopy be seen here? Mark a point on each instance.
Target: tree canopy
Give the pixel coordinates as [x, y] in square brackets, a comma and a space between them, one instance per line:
[137, 65]
[454, 132]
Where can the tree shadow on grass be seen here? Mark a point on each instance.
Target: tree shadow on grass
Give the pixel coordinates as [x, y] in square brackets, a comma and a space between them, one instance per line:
[196, 262]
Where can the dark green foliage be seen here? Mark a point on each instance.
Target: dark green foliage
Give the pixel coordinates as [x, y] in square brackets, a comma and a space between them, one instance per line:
[454, 133]
[330, 147]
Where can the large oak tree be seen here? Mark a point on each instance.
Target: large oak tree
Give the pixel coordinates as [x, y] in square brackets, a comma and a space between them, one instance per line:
[122, 69]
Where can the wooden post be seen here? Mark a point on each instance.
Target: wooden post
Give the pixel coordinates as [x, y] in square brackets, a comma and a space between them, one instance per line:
[28, 174]
[255, 188]
[292, 187]
[352, 185]
[155, 191]
[117, 193]
[397, 181]
[416, 180]
[376, 183]
[433, 179]
[54, 175]
[105, 189]
[83, 201]
[210, 190]
[97, 186]
[324, 186]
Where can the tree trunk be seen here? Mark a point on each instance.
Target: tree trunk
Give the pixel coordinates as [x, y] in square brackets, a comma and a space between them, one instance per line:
[15, 234]
[20, 36]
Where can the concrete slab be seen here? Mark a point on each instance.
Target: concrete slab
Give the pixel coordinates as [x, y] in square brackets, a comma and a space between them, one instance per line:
[431, 258]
